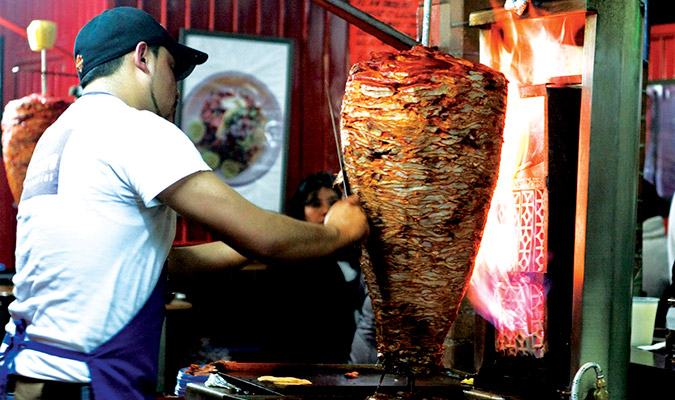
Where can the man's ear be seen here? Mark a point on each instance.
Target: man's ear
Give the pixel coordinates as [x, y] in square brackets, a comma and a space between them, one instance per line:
[140, 56]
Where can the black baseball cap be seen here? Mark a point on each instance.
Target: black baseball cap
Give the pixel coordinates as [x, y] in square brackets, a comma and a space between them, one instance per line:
[117, 31]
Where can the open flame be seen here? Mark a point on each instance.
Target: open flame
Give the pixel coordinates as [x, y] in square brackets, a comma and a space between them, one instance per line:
[508, 285]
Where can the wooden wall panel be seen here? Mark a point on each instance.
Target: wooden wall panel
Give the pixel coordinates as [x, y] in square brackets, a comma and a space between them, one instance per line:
[152, 7]
[271, 14]
[294, 16]
[668, 58]
[126, 3]
[247, 17]
[175, 16]
[313, 98]
[662, 52]
[200, 12]
[293, 27]
[224, 18]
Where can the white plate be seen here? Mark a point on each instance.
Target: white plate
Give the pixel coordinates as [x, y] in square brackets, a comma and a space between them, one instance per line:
[262, 99]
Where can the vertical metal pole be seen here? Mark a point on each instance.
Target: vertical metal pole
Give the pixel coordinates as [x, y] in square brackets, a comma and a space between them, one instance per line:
[607, 183]
[426, 22]
[43, 70]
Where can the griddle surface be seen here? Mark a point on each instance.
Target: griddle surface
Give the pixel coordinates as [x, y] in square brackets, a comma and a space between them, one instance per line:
[328, 381]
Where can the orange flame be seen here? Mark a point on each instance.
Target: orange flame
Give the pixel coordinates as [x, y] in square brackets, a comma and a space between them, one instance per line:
[507, 286]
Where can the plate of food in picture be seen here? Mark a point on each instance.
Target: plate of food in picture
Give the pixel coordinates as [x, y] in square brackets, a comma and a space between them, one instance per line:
[235, 122]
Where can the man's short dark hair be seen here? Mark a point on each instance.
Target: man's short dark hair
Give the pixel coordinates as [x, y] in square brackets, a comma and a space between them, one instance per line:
[108, 68]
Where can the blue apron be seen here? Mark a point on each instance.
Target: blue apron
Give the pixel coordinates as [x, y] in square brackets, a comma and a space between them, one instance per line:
[124, 367]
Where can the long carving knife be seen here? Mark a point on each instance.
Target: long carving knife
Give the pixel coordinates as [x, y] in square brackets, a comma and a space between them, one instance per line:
[345, 183]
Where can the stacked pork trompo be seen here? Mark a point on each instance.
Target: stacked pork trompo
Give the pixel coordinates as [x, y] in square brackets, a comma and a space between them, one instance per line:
[23, 123]
[421, 134]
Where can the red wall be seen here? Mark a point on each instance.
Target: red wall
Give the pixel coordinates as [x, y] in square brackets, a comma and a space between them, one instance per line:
[320, 51]
[662, 52]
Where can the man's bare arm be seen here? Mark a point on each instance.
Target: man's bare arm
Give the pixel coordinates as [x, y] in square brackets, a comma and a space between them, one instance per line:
[260, 234]
[214, 256]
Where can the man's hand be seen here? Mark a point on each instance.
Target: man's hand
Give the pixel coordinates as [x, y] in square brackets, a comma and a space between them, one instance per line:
[349, 219]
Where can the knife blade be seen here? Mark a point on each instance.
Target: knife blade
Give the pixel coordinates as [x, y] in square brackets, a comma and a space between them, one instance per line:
[345, 183]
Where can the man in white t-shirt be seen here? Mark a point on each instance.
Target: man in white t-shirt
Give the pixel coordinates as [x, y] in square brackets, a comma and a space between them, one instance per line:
[97, 218]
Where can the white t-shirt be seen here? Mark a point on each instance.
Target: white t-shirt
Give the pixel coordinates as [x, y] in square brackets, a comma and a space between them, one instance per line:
[92, 237]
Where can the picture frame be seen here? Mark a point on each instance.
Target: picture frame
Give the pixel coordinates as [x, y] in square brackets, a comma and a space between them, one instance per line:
[235, 108]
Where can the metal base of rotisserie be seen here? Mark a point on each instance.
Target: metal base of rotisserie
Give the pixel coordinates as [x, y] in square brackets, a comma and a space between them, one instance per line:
[526, 378]
[328, 381]
[332, 382]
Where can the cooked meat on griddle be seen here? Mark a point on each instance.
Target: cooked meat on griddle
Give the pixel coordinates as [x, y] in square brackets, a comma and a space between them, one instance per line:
[421, 134]
[23, 123]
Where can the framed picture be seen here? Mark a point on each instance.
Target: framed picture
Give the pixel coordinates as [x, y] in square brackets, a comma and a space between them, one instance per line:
[235, 109]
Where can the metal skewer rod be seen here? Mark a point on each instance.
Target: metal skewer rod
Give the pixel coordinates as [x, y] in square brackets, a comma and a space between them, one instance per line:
[426, 22]
[379, 384]
[345, 184]
[43, 70]
[368, 23]
[41, 35]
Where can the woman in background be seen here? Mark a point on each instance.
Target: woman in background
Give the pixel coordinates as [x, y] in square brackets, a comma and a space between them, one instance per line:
[315, 301]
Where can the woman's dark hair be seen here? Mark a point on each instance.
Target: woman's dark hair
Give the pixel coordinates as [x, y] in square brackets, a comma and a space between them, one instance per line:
[307, 190]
